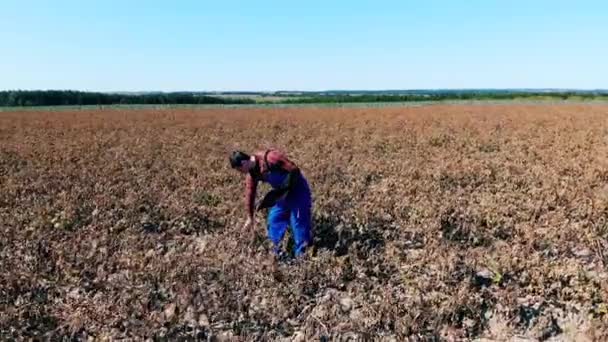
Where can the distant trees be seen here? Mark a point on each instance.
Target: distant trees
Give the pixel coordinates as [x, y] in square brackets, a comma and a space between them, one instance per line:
[68, 97]
[441, 96]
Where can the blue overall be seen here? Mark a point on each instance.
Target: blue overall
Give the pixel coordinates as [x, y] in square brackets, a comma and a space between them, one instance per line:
[293, 210]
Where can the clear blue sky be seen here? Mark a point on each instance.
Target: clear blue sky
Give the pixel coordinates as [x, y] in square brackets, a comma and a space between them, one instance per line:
[306, 45]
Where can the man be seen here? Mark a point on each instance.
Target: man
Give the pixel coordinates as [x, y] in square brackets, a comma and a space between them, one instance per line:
[290, 201]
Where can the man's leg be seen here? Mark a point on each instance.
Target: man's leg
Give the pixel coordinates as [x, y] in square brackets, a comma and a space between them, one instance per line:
[301, 225]
[278, 219]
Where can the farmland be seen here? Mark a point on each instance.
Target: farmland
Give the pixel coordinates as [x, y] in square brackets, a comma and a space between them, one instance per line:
[433, 222]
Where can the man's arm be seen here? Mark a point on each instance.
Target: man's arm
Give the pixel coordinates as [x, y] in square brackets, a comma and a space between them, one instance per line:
[250, 192]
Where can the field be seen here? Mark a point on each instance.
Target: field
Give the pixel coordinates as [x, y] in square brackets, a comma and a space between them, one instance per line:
[438, 222]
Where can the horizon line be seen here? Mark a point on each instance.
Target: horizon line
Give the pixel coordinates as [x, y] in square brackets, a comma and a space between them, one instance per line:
[314, 91]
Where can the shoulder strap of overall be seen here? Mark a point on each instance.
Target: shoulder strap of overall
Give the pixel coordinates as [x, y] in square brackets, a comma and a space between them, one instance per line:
[266, 158]
[269, 167]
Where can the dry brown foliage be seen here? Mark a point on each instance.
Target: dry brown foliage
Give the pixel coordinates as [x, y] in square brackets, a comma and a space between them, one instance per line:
[432, 223]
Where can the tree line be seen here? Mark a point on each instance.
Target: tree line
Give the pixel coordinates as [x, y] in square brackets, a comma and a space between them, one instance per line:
[346, 98]
[70, 98]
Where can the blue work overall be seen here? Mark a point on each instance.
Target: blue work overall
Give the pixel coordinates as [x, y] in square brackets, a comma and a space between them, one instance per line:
[293, 210]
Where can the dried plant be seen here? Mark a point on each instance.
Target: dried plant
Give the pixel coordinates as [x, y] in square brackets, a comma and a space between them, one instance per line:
[431, 223]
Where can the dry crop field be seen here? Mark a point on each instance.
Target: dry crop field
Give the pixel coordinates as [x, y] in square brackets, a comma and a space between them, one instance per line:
[431, 223]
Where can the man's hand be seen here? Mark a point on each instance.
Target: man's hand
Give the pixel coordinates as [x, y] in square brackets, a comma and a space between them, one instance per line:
[249, 224]
[249, 232]
[271, 198]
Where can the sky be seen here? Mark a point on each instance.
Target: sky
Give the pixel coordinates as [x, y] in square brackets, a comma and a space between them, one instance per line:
[227, 45]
